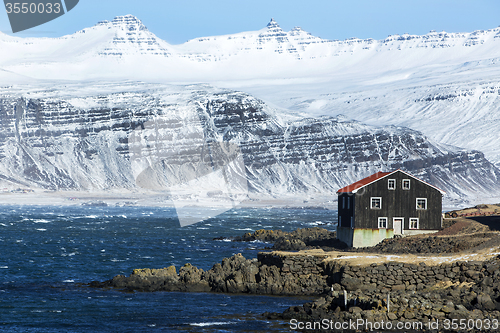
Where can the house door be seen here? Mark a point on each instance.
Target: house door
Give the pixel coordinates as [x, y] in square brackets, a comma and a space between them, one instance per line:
[397, 224]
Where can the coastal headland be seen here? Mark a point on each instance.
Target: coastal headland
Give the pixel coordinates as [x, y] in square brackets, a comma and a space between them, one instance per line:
[451, 276]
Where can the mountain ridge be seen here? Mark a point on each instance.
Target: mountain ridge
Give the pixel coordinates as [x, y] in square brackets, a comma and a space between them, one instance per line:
[300, 44]
[92, 141]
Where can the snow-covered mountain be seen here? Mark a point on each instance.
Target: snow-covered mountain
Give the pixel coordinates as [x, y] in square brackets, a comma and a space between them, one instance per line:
[89, 137]
[410, 96]
[124, 48]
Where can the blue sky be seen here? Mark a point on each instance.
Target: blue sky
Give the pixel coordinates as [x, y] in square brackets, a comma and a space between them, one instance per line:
[178, 21]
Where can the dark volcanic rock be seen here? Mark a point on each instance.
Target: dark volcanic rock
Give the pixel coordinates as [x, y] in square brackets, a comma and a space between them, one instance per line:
[431, 244]
[284, 244]
[233, 275]
[300, 239]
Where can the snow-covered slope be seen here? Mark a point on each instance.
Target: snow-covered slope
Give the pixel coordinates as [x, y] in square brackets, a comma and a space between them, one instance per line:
[464, 114]
[105, 136]
[444, 86]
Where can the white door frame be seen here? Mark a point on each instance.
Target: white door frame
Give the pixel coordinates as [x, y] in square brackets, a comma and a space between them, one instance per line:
[402, 219]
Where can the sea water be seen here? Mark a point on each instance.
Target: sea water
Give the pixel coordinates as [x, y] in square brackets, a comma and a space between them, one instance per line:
[48, 254]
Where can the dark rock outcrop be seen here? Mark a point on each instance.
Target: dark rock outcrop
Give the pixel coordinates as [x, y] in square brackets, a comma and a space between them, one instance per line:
[303, 276]
[300, 239]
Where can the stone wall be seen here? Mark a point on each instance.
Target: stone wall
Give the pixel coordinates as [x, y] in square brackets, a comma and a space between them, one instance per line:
[389, 276]
[295, 264]
[402, 276]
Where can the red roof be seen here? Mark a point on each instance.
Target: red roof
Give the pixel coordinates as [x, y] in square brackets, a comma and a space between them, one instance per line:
[376, 176]
[363, 182]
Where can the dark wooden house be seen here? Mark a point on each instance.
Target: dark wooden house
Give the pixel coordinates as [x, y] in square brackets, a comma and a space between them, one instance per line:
[387, 204]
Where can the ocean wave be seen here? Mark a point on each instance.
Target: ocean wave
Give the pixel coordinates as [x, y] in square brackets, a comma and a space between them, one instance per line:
[258, 241]
[223, 240]
[41, 221]
[218, 323]
[315, 223]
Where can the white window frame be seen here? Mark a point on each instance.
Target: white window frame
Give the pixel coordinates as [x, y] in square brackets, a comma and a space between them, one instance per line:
[393, 182]
[380, 220]
[425, 203]
[414, 219]
[371, 202]
[407, 181]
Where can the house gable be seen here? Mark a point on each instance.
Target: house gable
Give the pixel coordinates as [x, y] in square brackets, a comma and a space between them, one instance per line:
[360, 184]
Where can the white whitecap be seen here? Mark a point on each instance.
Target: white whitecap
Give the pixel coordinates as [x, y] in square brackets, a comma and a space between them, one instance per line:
[41, 229]
[212, 323]
[315, 223]
[41, 221]
[69, 281]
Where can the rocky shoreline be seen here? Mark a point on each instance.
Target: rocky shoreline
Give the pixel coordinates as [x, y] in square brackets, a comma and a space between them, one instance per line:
[346, 289]
[233, 275]
[416, 293]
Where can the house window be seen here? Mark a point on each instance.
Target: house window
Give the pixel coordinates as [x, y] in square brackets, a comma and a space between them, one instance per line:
[376, 203]
[352, 222]
[382, 222]
[340, 221]
[406, 184]
[413, 223]
[343, 202]
[348, 202]
[421, 203]
[391, 184]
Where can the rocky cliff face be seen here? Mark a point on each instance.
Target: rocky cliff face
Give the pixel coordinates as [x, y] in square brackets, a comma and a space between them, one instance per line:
[101, 138]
